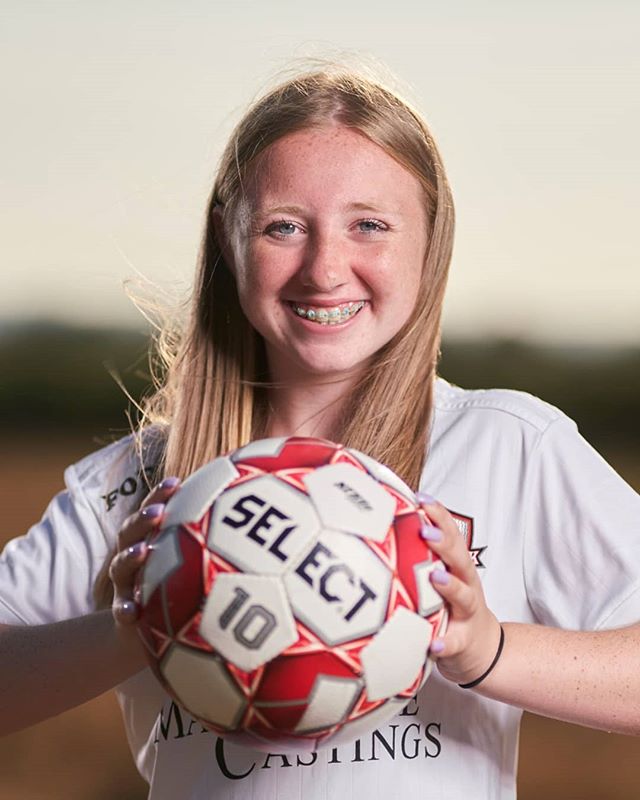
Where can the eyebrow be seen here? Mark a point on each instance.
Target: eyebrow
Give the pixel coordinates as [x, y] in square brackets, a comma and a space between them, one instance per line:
[293, 209]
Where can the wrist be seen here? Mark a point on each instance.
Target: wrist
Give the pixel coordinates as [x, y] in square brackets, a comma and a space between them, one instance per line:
[483, 675]
[128, 642]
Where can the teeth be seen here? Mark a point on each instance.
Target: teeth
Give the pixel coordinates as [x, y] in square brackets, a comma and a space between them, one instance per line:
[329, 316]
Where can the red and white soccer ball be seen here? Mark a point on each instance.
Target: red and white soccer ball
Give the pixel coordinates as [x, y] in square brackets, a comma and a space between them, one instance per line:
[286, 599]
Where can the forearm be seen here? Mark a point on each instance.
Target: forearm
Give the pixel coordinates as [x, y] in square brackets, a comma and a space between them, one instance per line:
[590, 678]
[47, 669]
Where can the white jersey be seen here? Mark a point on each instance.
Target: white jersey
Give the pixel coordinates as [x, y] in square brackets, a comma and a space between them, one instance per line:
[554, 534]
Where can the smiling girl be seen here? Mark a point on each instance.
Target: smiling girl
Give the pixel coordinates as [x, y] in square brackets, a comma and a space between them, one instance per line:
[316, 311]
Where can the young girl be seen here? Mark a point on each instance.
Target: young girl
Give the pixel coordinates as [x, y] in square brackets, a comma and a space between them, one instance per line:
[316, 312]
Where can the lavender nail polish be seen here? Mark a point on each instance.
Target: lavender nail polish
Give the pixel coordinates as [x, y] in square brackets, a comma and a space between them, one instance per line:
[152, 511]
[437, 646]
[430, 533]
[426, 499]
[169, 483]
[440, 576]
[127, 610]
[137, 549]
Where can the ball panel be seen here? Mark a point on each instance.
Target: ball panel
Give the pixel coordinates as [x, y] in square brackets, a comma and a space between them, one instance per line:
[330, 702]
[412, 549]
[383, 474]
[365, 724]
[272, 455]
[262, 525]
[199, 491]
[165, 557]
[247, 619]
[262, 448]
[291, 678]
[385, 674]
[183, 589]
[281, 716]
[203, 686]
[429, 601]
[339, 589]
[350, 500]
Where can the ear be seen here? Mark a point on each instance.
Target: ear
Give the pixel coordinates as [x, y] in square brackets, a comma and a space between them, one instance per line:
[221, 238]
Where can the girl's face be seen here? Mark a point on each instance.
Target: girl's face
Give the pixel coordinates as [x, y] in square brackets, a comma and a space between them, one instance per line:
[329, 264]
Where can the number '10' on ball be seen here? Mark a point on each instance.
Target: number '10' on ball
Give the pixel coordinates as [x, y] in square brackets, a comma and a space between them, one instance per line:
[286, 599]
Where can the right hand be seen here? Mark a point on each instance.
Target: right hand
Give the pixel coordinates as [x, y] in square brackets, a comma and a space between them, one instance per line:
[132, 550]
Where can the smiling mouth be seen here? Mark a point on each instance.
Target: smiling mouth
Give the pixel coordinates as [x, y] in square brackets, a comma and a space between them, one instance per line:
[336, 315]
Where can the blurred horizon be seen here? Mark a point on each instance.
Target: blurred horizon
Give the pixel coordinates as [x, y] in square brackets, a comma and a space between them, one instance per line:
[69, 376]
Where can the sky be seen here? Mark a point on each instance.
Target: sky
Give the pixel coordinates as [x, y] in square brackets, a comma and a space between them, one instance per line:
[115, 114]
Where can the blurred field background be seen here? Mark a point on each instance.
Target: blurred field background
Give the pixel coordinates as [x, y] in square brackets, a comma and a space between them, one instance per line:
[58, 402]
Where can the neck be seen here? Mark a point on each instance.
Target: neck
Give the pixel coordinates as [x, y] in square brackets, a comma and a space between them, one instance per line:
[309, 408]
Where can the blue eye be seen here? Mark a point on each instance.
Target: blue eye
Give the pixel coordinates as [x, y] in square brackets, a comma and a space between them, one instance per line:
[282, 228]
[371, 226]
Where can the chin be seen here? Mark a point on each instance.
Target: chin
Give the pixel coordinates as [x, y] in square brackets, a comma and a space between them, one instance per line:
[333, 368]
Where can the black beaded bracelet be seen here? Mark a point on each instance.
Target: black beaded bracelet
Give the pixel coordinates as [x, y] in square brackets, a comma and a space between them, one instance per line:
[491, 665]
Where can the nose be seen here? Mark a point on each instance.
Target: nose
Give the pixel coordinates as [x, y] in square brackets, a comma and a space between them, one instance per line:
[326, 264]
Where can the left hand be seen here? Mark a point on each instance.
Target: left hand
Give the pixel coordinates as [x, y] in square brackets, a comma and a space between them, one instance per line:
[471, 641]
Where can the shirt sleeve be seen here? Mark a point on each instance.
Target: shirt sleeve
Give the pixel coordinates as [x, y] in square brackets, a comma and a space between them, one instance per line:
[582, 536]
[48, 574]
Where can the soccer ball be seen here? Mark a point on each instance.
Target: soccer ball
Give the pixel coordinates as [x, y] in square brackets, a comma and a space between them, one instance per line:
[286, 598]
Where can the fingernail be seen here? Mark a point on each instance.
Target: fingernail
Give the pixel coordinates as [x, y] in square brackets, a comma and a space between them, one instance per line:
[440, 576]
[169, 483]
[136, 550]
[152, 511]
[425, 498]
[127, 611]
[430, 533]
[437, 646]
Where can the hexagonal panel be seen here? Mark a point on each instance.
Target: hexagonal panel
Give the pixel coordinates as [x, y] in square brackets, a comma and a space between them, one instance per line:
[393, 659]
[198, 492]
[382, 473]
[203, 686]
[165, 557]
[348, 499]
[330, 702]
[339, 588]
[247, 619]
[262, 525]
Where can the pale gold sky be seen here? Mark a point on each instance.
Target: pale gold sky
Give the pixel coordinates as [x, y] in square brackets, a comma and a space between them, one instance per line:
[114, 115]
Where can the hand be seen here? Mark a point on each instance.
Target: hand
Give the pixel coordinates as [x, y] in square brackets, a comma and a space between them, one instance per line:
[470, 644]
[132, 550]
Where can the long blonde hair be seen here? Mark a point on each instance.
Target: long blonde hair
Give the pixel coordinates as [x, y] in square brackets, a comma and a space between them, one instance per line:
[212, 393]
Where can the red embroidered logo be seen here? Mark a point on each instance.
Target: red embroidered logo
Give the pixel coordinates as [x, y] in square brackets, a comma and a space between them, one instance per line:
[465, 526]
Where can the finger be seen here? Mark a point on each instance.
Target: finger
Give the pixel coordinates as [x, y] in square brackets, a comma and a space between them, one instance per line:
[125, 612]
[437, 648]
[461, 598]
[162, 492]
[140, 525]
[124, 567]
[444, 539]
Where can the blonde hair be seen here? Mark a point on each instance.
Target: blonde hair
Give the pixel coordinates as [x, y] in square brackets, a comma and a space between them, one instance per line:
[212, 396]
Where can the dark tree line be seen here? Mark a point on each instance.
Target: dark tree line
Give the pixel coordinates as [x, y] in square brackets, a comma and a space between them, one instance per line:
[58, 377]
